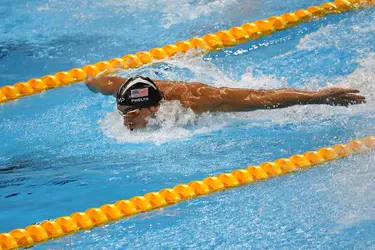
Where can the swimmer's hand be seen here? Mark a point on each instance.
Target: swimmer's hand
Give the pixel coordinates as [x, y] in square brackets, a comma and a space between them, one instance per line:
[340, 96]
[96, 84]
[107, 85]
[91, 83]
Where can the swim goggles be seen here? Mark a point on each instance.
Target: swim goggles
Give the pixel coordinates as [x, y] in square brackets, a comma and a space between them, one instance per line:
[132, 113]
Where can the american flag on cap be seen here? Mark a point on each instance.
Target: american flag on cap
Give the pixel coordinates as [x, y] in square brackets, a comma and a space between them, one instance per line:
[136, 93]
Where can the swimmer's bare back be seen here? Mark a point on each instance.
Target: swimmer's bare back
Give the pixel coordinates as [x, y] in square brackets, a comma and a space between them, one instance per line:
[203, 98]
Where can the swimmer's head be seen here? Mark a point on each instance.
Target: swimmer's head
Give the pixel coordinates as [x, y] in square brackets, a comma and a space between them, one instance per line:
[137, 99]
[139, 92]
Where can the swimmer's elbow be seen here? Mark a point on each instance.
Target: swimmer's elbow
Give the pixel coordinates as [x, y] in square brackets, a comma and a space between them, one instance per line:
[91, 84]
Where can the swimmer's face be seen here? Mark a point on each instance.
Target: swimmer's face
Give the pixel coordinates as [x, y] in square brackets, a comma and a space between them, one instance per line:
[138, 118]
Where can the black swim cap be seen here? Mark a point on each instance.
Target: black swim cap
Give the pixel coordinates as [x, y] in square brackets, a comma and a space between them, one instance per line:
[139, 92]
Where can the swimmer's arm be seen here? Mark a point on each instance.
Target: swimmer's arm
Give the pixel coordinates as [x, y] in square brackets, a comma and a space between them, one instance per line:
[203, 98]
[106, 85]
[270, 99]
[246, 100]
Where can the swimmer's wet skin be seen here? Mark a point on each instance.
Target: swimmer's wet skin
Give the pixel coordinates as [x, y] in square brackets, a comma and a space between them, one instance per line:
[139, 98]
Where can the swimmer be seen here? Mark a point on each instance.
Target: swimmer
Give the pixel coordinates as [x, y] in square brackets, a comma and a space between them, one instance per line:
[139, 98]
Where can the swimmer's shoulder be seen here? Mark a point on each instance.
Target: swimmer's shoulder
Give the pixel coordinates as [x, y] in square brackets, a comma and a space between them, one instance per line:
[178, 85]
[173, 90]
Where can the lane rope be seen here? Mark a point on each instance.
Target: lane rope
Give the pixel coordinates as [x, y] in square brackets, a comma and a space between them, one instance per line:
[206, 43]
[93, 217]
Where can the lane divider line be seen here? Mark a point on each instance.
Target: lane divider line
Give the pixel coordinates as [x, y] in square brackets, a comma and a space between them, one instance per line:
[93, 217]
[206, 43]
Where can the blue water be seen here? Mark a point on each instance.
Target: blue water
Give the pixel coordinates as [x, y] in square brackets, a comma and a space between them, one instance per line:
[65, 151]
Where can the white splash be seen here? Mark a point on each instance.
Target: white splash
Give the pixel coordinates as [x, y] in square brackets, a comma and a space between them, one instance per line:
[324, 37]
[335, 35]
[362, 78]
[172, 122]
